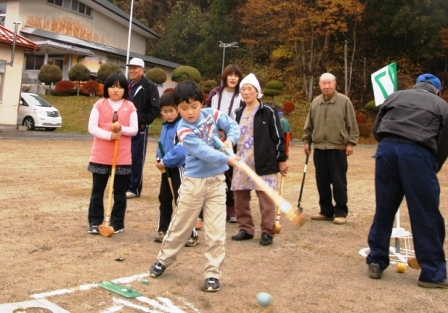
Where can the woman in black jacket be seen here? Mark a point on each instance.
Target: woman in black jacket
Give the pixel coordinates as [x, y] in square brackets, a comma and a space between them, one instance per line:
[262, 147]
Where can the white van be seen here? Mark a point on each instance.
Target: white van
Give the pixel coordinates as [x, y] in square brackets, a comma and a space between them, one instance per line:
[35, 111]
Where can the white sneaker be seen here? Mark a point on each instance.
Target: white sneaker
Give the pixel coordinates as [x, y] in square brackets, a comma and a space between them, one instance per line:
[130, 195]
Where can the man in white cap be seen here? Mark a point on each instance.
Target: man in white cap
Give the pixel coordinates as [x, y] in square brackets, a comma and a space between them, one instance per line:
[412, 128]
[145, 96]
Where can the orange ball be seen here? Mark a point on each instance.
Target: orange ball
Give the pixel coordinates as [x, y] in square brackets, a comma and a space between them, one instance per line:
[401, 267]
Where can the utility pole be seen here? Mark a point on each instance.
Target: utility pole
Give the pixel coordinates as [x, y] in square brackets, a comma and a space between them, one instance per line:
[16, 25]
[345, 66]
[129, 36]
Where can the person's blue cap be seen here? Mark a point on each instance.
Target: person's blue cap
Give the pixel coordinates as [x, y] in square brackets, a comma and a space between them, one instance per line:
[429, 78]
[280, 113]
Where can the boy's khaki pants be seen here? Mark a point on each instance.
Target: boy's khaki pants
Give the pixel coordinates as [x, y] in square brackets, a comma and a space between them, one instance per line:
[196, 194]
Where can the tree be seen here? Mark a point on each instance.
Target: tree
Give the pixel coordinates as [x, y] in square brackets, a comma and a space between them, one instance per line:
[444, 38]
[49, 74]
[78, 73]
[157, 75]
[106, 69]
[406, 32]
[181, 34]
[305, 28]
[208, 54]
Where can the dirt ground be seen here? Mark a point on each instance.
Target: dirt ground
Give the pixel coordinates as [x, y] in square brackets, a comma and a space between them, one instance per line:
[46, 251]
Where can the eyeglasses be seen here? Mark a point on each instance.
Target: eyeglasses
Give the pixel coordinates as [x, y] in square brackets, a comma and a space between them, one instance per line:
[168, 111]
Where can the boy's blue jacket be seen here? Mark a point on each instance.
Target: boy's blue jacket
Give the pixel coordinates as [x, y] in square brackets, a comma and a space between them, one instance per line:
[204, 159]
[174, 152]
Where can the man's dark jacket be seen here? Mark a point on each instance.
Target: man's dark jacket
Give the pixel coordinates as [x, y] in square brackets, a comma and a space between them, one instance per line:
[146, 100]
[416, 114]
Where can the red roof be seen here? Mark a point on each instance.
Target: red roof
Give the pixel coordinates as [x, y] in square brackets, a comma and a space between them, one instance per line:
[7, 37]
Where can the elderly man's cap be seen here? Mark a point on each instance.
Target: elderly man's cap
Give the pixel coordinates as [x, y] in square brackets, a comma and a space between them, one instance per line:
[136, 62]
[429, 78]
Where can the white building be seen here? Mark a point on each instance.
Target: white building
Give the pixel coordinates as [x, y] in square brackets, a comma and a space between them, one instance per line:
[68, 32]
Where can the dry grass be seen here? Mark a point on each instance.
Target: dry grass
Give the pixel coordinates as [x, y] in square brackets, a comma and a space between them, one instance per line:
[75, 112]
[316, 268]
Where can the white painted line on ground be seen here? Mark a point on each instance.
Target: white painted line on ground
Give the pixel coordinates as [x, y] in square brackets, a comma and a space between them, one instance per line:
[54, 293]
[134, 306]
[188, 304]
[395, 257]
[162, 304]
[122, 280]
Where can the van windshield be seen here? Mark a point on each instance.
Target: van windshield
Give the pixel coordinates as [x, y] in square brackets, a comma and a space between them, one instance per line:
[37, 101]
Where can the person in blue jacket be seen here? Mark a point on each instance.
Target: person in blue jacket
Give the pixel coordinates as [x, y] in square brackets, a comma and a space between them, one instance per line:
[170, 161]
[203, 185]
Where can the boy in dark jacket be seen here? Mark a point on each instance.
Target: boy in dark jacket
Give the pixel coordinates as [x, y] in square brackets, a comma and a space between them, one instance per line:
[170, 158]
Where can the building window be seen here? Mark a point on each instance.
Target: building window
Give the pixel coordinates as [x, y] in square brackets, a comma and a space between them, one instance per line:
[73, 6]
[34, 62]
[2, 13]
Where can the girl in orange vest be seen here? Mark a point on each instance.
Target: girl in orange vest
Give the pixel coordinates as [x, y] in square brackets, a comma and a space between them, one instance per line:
[114, 105]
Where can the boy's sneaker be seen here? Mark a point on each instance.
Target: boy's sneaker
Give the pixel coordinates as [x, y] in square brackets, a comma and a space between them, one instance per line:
[121, 230]
[212, 284]
[159, 237]
[231, 214]
[192, 241]
[93, 230]
[157, 270]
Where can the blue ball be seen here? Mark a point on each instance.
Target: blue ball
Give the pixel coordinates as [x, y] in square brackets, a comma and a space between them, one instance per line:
[264, 299]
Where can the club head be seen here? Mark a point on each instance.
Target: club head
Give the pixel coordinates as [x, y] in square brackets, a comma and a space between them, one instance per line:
[277, 228]
[106, 231]
[413, 263]
[295, 217]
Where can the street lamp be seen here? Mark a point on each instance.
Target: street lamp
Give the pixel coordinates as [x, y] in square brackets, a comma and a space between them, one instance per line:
[224, 46]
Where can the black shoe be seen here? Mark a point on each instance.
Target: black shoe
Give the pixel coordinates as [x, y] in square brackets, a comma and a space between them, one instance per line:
[157, 270]
[375, 271]
[159, 237]
[266, 239]
[93, 230]
[242, 235]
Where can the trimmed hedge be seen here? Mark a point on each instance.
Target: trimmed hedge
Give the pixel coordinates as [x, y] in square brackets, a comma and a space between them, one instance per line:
[186, 72]
[370, 106]
[157, 75]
